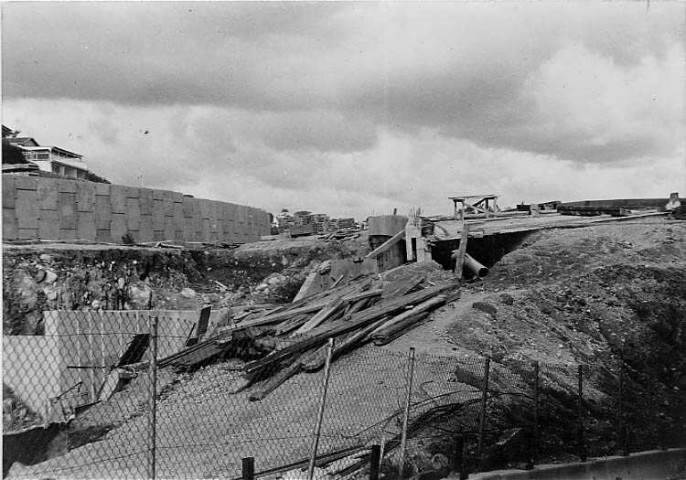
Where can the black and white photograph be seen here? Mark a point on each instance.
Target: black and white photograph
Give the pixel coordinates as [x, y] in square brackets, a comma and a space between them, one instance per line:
[344, 240]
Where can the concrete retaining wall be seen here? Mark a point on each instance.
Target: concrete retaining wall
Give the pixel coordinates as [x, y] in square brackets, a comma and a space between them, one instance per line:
[79, 347]
[37, 208]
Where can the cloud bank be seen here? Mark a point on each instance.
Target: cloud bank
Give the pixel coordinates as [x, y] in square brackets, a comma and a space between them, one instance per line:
[353, 107]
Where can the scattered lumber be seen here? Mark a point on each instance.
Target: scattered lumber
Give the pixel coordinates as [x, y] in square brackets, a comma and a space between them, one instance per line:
[278, 342]
[406, 318]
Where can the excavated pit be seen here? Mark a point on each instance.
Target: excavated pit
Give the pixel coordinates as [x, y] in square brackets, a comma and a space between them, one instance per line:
[487, 250]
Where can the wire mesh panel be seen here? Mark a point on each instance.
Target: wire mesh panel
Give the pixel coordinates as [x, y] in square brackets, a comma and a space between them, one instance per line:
[72, 393]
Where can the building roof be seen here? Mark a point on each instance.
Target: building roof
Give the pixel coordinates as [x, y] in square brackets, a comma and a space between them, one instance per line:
[66, 153]
[6, 131]
[24, 141]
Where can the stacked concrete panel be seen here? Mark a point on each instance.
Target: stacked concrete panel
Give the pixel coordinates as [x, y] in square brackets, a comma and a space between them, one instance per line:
[36, 208]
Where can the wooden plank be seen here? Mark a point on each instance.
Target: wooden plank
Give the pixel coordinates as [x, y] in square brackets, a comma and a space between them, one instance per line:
[339, 327]
[321, 316]
[411, 323]
[400, 287]
[392, 324]
[387, 245]
[290, 325]
[275, 381]
[307, 285]
[349, 341]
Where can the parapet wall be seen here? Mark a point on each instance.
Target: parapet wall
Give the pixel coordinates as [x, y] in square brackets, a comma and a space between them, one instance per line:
[37, 208]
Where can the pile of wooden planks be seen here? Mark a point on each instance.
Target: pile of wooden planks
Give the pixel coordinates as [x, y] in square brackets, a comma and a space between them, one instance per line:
[353, 314]
[279, 341]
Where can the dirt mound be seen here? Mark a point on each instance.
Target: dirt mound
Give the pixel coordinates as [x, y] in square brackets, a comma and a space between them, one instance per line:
[37, 278]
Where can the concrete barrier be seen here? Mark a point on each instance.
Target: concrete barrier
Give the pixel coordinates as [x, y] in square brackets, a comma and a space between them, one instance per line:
[650, 465]
[79, 347]
[38, 208]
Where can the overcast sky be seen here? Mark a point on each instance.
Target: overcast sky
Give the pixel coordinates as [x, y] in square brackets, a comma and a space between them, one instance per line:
[357, 108]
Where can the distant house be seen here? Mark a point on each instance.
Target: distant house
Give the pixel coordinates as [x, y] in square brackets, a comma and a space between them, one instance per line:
[51, 159]
[57, 160]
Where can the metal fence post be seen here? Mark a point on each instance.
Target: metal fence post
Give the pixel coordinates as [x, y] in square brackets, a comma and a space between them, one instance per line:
[622, 420]
[320, 416]
[581, 450]
[457, 460]
[403, 438]
[534, 430]
[248, 468]
[482, 416]
[152, 419]
[375, 461]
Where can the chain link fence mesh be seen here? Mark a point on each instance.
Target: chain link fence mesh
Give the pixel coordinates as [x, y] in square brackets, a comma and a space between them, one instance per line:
[78, 402]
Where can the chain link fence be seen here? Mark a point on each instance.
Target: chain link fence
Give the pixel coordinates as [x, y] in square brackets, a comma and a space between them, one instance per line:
[105, 395]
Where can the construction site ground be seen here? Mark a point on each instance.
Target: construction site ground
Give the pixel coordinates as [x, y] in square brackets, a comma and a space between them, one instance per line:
[564, 296]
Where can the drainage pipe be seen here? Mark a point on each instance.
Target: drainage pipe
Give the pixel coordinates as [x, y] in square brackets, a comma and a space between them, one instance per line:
[474, 266]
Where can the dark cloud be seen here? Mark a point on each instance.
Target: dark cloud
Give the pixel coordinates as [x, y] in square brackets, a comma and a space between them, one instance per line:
[327, 76]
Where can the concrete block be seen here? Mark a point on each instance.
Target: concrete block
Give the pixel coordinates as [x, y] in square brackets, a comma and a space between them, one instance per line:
[85, 197]
[197, 228]
[205, 230]
[178, 216]
[118, 198]
[86, 226]
[146, 231]
[214, 212]
[68, 234]
[188, 207]
[26, 183]
[169, 229]
[27, 209]
[103, 235]
[8, 194]
[157, 235]
[9, 182]
[158, 215]
[103, 213]
[48, 194]
[220, 230]
[133, 214]
[10, 229]
[49, 225]
[205, 208]
[168, 207]
[118, 227]
[66, 186]
[178, 235]
[67, 211]
[28, 233]
[158, 194]
[229, 228]
[132, 192]
[177, 197]
[188, 231]
[146, 201]
[102, 189]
